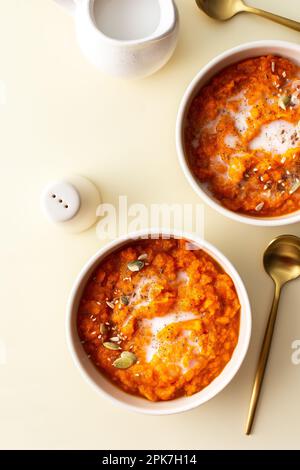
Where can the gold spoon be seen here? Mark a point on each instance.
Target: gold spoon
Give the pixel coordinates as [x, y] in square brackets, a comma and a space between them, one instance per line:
[225, 9]
[282, 263]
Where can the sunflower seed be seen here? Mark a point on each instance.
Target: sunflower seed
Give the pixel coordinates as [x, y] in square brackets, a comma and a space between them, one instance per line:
[112, 346]
[259, 206]
[273, 66]
[110, 304]
[136, 265]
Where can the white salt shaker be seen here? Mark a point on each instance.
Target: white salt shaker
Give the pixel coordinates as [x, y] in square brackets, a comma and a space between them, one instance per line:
[71, 203]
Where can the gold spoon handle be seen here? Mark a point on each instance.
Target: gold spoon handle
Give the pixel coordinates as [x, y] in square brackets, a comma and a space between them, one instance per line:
[270, 16]
[263, 359]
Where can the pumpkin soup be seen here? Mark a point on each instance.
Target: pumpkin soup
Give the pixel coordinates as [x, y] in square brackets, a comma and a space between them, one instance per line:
[159, 319]
[243, 136]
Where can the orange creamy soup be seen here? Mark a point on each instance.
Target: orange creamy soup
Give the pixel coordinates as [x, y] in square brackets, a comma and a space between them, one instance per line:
[243, 136]
[159, 319]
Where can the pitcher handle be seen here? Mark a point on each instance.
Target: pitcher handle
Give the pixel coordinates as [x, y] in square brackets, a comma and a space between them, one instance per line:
[69, 5]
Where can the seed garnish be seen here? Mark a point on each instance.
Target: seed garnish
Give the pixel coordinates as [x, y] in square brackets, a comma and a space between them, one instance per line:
[136, 265]
[103, 329]
[112, 346]
[114, 339]
[284, 101]
[110, 304]
[259, 206]
[143, 256]
[126, 360]
[295, 187]
[124, 300]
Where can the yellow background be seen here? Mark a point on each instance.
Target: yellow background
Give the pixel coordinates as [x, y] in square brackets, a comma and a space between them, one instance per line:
[61, 115]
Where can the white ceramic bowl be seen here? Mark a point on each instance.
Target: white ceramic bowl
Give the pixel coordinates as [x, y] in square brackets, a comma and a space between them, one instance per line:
[134, 403]
[244, 51]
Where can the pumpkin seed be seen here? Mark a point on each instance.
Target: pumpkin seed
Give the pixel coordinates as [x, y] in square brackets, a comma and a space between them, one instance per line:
[143, 256]
[126, 360]
[124, 299]
[112, 346]
[136, 265]
[295, 187]
[110, 304]
[129, 354]
[103, 329]
[284, 101]
[122, 363]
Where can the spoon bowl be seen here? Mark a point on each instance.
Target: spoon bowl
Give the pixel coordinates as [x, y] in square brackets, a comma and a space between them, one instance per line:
[225, 9]
[282, 259]
[220, 9]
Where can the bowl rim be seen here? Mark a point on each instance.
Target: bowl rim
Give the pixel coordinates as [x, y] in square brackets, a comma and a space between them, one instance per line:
[227, 374]
[191, 90]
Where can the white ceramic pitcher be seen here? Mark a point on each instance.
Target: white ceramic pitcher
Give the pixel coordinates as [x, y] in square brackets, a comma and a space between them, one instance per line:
[129, 58]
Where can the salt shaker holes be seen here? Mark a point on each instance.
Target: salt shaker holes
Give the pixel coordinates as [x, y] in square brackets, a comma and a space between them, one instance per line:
[71, 203]
[61, 201]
